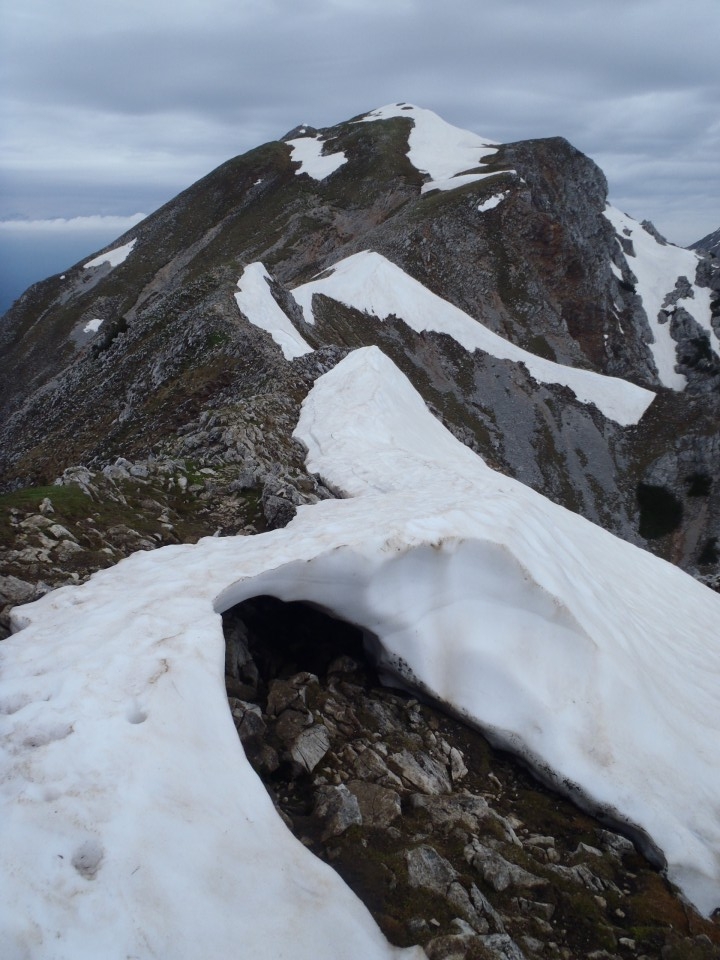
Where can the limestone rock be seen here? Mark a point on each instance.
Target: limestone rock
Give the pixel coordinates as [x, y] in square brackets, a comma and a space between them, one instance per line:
[379, 806]
[14, 591]
[500, 873]
[427, 869]
[310, 746]
[420, 771]
[337, 808]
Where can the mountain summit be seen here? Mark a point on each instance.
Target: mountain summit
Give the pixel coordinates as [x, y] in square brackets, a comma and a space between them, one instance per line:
[436, 388]
[568, 306]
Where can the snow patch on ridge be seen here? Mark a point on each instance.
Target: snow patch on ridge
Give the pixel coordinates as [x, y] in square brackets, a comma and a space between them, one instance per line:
[113, 257]
[492, 201]
[368, 282]
[586, 654]
[256, 301]
[656, 266]
[307, 151]
[439, 149]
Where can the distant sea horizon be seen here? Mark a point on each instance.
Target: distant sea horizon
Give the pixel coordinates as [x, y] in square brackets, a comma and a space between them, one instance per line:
[26, 258]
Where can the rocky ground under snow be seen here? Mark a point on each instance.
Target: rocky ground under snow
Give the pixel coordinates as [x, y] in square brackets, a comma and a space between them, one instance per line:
[451, 844]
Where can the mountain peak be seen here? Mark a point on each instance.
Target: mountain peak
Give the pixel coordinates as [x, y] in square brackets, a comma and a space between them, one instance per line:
[484, 398]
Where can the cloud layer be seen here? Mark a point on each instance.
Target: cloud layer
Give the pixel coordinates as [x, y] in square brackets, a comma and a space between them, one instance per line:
[108, 108]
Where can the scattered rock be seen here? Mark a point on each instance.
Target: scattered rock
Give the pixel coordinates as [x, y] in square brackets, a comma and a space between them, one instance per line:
[14, 591]
[500, 873]
[310, 746]
[379, 806]
[337, 808]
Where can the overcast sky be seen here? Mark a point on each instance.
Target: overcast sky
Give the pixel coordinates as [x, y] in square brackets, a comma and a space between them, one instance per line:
[110, 109]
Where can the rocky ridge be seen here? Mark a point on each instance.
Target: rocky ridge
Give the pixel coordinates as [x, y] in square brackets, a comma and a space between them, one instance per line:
[174, 420]
[542, 268]
[230, 472]
[709, 244]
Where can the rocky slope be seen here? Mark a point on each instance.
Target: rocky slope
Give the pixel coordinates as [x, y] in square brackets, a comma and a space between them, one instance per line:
[708, 244]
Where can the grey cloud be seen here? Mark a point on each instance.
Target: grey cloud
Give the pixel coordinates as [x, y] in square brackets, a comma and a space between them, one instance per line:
[157, 94]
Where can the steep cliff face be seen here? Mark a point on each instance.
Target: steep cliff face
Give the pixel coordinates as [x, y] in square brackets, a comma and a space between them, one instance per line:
[125, 351]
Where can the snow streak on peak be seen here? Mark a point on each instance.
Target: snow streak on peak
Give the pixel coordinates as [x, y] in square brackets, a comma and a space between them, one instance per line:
[656, 266]
[113, 257]
[307, 151]
[437, 148]
[370, 283]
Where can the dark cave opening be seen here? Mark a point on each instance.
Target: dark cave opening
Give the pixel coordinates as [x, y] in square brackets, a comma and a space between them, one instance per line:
[661, 512]
[284, 639]
[698, 484]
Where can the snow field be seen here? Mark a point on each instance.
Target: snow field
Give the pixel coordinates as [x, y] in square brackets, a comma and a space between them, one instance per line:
[113, 257]
[307, 151]
[368, 282]
[122, 779]
[92, 326]
[255, 300]
[656, 267]
[439, 149]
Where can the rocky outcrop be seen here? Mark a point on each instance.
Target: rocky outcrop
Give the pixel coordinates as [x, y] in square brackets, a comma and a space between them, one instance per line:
[708, 244]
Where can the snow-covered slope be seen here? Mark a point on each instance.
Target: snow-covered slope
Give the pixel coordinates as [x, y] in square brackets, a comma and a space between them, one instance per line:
[439, 149]
[308, 152]
[257, 303]
[656, 267]
[113, 257]
[368, 282]
[132, 823]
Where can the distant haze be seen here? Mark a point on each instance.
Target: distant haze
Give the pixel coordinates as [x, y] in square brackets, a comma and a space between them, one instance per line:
[32, 252]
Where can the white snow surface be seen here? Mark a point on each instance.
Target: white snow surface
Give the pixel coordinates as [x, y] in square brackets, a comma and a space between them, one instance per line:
[132, 824]
[308, 152]
[369, 282]
[439, 149]
[92, 326]
[258, 304]
[113, 257]
[656, 268]
[492, 201]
